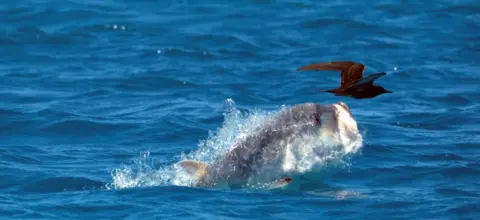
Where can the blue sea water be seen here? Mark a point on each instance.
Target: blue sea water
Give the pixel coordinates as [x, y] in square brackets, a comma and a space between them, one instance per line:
[99, 100]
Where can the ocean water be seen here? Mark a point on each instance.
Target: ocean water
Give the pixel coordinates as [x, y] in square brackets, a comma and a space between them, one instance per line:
[100, 99]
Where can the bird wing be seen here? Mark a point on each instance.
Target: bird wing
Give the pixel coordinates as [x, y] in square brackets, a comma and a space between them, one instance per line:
[368, 80]
[351, 71]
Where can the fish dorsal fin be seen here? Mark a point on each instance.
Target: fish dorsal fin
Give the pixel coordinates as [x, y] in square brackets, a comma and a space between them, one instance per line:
[194, 168]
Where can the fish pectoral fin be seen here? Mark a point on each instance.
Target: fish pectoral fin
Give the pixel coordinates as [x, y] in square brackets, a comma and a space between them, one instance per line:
[280, 183]
[285, 181]
[194, 168]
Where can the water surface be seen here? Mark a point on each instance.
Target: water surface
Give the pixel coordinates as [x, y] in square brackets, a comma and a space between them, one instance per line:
[99, 98]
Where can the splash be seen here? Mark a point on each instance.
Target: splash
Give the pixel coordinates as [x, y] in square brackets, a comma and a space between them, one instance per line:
[236, 126]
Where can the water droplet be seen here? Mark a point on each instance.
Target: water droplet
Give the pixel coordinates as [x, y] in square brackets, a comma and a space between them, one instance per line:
[146, 154]
[159, 51]
[115, 26]
[395, 68]
[123, 27]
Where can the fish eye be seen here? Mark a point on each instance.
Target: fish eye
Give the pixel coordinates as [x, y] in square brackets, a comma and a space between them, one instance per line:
[317, 118]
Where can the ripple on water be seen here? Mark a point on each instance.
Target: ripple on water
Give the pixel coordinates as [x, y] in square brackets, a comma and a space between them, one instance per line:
[455, 192]
[86, 127]
[61, 184]
[91, 87]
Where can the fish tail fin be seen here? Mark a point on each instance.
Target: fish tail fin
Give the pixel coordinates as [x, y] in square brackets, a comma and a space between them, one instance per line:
[195, 169]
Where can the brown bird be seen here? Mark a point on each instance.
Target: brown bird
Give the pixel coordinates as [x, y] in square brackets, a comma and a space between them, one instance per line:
[353, 83]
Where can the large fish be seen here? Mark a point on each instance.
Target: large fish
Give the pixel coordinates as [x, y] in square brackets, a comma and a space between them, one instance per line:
[277, 149]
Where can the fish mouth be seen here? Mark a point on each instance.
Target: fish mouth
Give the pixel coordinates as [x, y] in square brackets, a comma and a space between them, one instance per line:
[346, 127]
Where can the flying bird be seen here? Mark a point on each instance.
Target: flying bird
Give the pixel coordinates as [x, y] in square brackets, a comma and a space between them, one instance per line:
[353, 84]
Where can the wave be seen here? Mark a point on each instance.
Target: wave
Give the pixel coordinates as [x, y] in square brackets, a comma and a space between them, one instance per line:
[61, 184]
[84, 126]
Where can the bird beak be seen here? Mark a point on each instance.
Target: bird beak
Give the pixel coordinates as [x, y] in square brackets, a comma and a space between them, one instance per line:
[388, 91]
